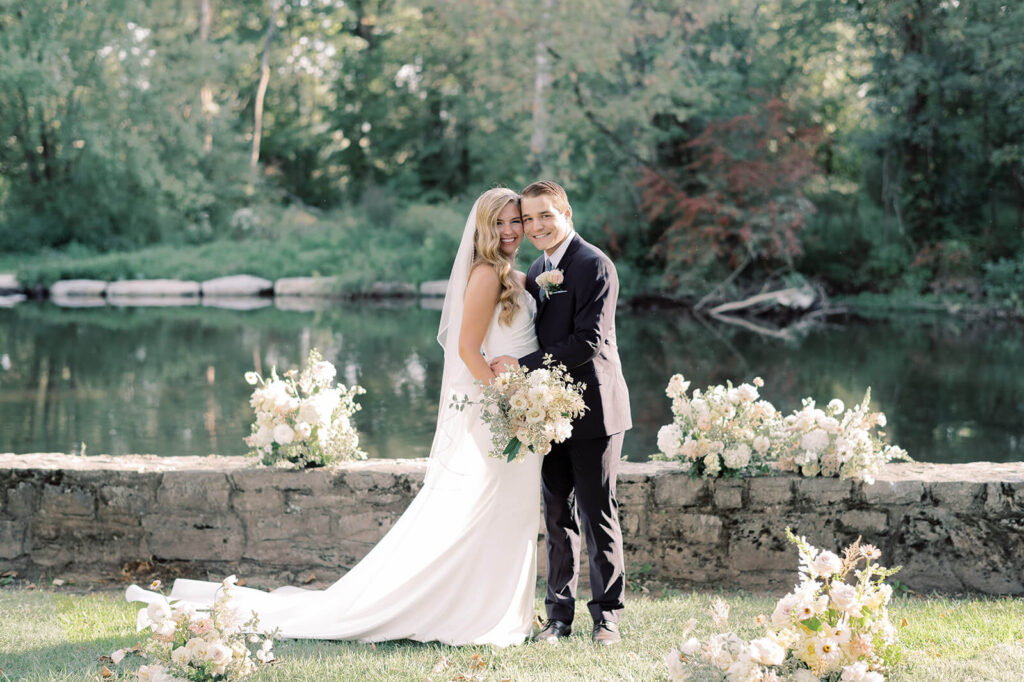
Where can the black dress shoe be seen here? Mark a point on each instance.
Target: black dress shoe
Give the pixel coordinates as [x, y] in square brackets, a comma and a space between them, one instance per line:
[606, 633]
[553, 631]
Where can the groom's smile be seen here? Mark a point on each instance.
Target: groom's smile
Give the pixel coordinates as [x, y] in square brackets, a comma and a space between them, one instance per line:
[546, 227]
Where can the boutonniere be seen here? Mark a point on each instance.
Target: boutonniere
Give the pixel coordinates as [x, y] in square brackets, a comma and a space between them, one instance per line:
[550, 281]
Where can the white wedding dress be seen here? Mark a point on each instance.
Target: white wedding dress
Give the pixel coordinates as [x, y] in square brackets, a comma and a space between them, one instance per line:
[458, 567]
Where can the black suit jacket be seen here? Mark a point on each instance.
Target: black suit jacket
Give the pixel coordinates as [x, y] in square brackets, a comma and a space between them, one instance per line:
[577, 327]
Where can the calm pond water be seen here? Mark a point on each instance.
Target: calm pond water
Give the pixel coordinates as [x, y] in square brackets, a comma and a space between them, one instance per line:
[168, 381]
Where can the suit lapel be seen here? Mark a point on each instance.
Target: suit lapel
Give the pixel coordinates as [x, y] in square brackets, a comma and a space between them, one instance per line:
[563, 265]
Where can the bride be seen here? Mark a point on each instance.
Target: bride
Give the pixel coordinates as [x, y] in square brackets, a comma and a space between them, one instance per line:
[459, 566]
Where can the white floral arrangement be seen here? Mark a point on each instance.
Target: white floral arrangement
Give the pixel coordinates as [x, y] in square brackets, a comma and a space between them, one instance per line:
[729, 431]
[826, 629]
[302, 418]
[720, 431]
[197, 645]
[837, 441]
[531, 408]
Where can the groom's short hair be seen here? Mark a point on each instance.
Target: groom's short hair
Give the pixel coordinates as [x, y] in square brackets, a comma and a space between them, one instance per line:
[551, 189]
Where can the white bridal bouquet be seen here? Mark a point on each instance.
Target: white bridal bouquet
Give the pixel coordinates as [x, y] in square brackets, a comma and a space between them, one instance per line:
[201, 646]
[531, 408]
[827, 629]
[720, 431]
[303, 418]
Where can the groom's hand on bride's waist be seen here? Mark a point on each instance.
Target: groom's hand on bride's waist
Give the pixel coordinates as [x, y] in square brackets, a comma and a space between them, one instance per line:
[502, 363]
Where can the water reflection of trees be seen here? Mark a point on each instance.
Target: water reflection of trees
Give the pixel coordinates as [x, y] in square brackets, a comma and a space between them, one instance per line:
[169, 381]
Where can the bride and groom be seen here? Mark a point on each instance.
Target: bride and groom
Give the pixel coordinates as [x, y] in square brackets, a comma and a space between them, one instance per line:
[459, 566]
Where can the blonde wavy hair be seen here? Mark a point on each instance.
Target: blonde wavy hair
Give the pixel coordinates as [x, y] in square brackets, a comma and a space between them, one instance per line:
[487, 247]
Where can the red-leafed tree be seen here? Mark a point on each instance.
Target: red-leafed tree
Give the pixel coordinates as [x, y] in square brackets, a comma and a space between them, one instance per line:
[737, 198]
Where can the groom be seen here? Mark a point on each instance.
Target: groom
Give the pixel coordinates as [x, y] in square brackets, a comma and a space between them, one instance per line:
[576, 325]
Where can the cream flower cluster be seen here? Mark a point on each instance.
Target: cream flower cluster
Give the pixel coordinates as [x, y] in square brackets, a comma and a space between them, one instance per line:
[550, 281]
[530, 408]
[836, 441]
[721, 430]
[827, 628]
[726, 430]
[302, 418]
[201, 646]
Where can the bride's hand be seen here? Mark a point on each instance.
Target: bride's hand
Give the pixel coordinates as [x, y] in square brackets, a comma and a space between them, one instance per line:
[502, 363]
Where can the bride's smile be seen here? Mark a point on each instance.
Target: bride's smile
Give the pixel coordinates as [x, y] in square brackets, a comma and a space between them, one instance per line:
[510, 229]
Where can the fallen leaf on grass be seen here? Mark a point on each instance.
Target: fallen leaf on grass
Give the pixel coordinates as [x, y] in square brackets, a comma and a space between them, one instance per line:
[903, 622]
[477, 661]
[310, 578]
[105, 672]
[442, 665]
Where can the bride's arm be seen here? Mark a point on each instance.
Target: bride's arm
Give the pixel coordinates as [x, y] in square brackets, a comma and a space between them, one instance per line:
[482, 293]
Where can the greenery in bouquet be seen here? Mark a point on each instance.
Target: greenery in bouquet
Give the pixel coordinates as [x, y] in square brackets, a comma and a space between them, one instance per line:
[836, 441]
[201, 645]
[833, 627]
[531, 408]
[302, 418]
[720, 431]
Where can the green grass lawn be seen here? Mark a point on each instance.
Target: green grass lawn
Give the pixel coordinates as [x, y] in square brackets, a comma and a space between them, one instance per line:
[54, 635]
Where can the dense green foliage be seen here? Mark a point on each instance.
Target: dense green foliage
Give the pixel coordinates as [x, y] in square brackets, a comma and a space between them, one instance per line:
[872, 145]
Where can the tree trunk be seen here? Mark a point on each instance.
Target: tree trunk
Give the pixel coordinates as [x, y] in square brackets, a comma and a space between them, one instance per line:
[261, 90]
[206, 92]
[541, 84]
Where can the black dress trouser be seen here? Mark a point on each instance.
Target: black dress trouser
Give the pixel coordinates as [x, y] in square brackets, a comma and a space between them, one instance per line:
[579, 491]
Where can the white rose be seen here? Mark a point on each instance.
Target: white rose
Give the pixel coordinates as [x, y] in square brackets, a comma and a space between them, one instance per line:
[540, 395]
[766, 652]
[669, 437]
[283, 434]
[519, 401]
[783, 614]
[196, 648]
[263, 437]
[845, 597]
[155, 673]
[324, 372]
[746, 393]
[712, 465]
[762, 443]
[677, 386]
[563, 430]
[535, 415]
[737, 456]
[539, 376]
[218, 653]
[815, 441]
[302, 431]
[826, 563]
[181, 656]
[805, 675]
[689, 448]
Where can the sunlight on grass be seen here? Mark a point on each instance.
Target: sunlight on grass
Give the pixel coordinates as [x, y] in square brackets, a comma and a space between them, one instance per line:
[46, 635]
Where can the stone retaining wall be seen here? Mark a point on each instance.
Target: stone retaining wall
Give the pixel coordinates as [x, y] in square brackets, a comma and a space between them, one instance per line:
[953, 528]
